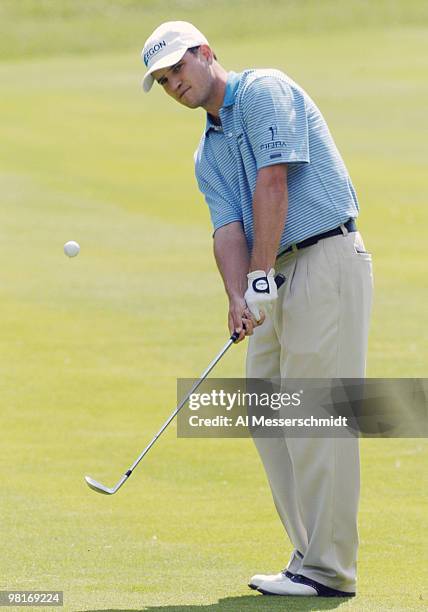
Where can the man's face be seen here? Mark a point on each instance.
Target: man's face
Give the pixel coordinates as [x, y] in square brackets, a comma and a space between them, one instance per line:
[189, 81]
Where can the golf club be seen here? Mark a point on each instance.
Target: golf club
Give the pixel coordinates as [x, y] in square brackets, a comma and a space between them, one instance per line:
[100, 488]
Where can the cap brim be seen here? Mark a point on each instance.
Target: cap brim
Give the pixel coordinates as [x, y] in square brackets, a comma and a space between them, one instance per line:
[164, 62]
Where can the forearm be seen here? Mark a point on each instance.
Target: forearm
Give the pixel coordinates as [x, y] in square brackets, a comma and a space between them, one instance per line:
[270, 203]
[232, 257]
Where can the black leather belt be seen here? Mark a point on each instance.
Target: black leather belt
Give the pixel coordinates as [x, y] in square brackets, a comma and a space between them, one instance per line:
[350, 226]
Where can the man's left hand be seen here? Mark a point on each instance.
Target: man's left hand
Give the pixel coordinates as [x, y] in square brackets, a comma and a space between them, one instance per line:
[261, 292]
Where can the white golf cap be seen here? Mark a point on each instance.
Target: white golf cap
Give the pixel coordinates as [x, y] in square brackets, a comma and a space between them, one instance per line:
[167, 45]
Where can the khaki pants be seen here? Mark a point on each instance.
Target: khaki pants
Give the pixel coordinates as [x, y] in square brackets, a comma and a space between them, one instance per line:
[318, 328]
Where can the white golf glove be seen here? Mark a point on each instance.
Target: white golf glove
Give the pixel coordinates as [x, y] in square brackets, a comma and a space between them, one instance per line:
[261, 292]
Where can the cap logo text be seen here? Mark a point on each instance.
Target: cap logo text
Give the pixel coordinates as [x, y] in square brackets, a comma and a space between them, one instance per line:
[153, 50]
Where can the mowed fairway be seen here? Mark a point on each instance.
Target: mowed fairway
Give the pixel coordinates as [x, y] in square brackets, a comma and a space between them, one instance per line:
[91, 347]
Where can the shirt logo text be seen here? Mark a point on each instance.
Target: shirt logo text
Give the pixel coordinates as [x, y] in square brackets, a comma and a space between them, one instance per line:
[277, 144]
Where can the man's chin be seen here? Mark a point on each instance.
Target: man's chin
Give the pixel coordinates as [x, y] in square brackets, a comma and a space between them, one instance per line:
[190, 103]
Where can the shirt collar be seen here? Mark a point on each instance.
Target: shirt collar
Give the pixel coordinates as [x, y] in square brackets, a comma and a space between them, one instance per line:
[232, 84]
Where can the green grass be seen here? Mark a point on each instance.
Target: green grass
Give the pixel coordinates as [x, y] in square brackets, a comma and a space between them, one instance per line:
[92, 347]
[47, 27]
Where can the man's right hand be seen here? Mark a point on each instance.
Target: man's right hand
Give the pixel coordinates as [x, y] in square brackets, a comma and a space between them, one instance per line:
[241, 320]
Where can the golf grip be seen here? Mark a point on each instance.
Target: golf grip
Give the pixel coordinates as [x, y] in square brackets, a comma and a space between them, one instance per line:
[279, 281]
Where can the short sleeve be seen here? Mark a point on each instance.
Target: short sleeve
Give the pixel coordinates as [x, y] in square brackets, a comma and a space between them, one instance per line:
[275, 120]
[221, 211]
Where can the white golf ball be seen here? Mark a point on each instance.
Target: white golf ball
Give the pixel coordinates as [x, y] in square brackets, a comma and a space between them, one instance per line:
[71, 248]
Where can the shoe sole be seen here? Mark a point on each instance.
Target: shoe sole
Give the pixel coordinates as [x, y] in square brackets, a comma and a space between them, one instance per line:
[263, 592]
[284, 595]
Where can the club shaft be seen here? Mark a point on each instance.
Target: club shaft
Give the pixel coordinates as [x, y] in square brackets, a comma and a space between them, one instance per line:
[183, 402]
[93, 484]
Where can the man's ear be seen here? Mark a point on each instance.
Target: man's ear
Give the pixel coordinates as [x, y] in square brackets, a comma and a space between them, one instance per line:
[207, 53]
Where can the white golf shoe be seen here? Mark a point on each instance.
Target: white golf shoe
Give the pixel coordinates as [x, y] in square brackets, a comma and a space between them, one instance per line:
[260, 579]
[286, 586]
[297, 585]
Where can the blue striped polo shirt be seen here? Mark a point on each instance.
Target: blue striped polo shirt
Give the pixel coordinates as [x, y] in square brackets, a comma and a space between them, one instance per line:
[268, 119]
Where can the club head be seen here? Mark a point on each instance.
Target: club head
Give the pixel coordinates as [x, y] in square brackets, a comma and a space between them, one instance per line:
[100, 488]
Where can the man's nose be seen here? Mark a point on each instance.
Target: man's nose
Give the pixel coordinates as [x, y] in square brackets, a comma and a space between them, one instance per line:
[175, 83]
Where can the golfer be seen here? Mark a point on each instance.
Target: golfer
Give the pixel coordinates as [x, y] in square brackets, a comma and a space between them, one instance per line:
[281, 200]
